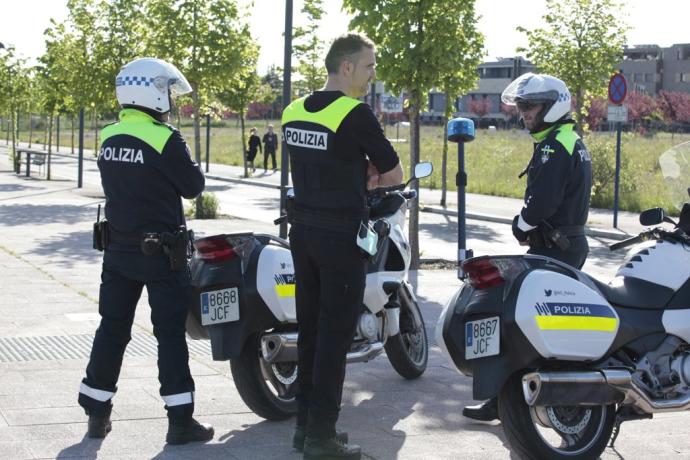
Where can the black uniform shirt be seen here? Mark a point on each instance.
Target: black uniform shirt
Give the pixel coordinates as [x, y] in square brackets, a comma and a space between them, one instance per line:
[359, 133]
[559, 179]
[142, 185]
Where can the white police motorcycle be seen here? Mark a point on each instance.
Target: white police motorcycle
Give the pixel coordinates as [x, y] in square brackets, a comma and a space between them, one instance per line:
[569, 357]
[244, 303]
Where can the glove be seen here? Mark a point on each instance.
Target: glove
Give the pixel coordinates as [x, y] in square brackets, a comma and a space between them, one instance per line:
[517, 233]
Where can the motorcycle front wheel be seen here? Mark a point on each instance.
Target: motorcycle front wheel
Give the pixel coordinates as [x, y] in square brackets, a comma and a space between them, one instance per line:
[553, 432]
[408, 351]
[267, 389]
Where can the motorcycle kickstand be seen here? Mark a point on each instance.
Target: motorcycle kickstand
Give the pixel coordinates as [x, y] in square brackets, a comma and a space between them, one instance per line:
[624, 414]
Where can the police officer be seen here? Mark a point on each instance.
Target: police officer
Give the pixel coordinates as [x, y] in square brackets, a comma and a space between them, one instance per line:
[145, 168]
[559, 182]
[335, 142]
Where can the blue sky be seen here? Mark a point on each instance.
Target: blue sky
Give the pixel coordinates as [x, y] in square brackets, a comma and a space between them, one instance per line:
[662, 22]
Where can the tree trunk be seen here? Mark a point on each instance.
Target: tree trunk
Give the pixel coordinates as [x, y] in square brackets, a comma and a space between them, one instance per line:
[244, 144]
[95, 132]
[444, 159]
[31, 130]
[72, 136]
[197, 143]
[578, 110]
[50, 132]
[9, 125]
[50, 144]
[413, 221]
[15, 117]
[45, 135]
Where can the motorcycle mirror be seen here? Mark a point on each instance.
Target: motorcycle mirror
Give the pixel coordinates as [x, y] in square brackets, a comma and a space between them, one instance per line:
[423, 170]
[652, 216]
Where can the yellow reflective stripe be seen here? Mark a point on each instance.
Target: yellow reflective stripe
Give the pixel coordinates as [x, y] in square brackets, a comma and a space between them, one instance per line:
[576, 323]
[140, 125]
[285, 290]
[329, 117]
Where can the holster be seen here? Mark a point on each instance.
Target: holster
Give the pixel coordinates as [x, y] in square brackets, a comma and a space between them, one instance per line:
[100, 235]
[548, 236]
[176, 247]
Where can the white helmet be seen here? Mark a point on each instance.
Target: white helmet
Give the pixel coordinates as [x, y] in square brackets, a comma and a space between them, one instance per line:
[540, 89]
[149, 83]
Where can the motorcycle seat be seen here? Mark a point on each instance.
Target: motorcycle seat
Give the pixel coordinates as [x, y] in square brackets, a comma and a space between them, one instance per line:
[626, 291]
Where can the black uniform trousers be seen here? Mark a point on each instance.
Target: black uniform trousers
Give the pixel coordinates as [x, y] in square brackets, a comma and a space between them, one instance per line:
[330, 272]
[123, 278]
[272, 153]
[574, 256]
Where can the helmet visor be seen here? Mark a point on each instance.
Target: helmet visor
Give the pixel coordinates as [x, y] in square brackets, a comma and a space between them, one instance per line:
[173, 81]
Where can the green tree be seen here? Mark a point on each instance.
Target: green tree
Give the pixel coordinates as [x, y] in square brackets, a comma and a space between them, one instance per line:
[14, 86]
[413, 39]
[241, 90]
[205, 39]
[580, 43]
[119, 40]
[274, 80]
[464, 52]
[308, 49]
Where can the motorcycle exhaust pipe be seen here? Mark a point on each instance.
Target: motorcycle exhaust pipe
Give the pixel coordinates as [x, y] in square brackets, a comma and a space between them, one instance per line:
[583, 388]
[279, 348]
[639, 398]
[282, 347]
[366, 353]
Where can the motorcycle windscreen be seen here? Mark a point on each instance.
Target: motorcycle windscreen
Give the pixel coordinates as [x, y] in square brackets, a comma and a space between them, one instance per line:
[275, 282]
[562, 318]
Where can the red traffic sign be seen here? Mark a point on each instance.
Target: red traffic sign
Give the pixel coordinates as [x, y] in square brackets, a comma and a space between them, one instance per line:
[618, 88]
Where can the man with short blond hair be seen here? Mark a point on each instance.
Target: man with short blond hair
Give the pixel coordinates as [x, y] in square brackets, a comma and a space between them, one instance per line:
[337, 151]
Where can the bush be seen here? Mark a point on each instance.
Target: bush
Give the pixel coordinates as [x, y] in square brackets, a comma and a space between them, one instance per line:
[209, 206]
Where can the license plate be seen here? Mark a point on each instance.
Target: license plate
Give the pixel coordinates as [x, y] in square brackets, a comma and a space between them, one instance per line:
[221, 306]
[482, 337]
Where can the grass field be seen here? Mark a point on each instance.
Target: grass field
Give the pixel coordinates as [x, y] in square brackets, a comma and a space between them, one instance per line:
[492, 161]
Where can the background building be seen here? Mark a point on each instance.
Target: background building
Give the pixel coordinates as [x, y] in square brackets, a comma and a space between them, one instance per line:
[650, 68]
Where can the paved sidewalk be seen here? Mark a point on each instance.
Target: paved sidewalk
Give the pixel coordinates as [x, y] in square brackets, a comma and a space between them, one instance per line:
[49, 279]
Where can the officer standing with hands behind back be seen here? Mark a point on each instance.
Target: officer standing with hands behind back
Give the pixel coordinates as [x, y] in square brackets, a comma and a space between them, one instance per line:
[335, 142]
[559, 182]
[145, 168]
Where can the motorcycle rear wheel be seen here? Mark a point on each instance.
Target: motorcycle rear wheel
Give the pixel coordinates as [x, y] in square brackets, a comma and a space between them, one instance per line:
[408, 351]
[554, 432]
[267, 389]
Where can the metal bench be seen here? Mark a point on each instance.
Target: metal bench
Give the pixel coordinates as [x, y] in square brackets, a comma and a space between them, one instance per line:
[32, 156]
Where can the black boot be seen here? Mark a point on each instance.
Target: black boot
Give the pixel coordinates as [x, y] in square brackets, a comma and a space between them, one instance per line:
[99, 427]
[330, 449]
[485, 412]
[300, 434]
[184, 431]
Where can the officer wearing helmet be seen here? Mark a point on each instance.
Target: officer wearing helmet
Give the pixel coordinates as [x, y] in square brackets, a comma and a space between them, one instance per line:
[145, 168]
[559, 182]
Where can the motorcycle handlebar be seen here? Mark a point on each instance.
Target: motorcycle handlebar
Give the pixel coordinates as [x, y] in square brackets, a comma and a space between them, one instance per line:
[630, 241]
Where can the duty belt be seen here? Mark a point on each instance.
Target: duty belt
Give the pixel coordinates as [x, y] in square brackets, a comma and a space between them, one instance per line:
[125, 238]
[572, 230]
[327, 220]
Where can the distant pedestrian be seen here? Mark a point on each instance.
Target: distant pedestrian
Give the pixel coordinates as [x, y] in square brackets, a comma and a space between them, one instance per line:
[270, 146]
[254, 146]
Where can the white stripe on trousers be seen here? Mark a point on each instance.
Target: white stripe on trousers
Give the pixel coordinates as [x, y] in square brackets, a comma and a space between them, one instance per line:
[93, 393]
[179, 399]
